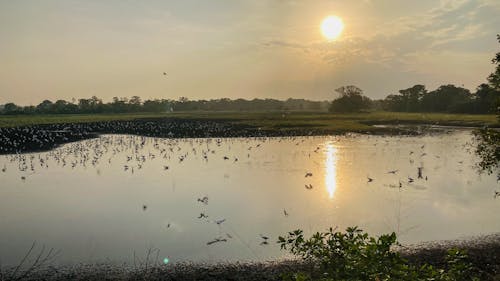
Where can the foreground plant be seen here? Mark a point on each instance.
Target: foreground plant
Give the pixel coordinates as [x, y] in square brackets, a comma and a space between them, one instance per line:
[488, 149]
[353, 255]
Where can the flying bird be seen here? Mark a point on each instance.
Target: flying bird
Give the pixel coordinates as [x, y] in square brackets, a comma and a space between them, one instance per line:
[216, 240]
[219, 222]
[203, 200]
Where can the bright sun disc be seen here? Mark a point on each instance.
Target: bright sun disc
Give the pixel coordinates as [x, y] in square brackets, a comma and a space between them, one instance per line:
[332, 27]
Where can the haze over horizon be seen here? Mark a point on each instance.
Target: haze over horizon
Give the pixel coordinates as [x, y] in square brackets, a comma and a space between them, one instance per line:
[240, 49]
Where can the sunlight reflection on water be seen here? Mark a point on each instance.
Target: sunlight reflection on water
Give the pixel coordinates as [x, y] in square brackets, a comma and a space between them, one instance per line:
[331, 169]
[106, 198]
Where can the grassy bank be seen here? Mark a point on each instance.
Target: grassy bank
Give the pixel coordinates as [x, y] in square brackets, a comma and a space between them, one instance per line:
[482, 254]
[272, 120]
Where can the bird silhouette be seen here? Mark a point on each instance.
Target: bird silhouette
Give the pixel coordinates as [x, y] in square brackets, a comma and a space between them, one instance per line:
[203, 200]
[419, 172]
[219, 222]
[216, 240]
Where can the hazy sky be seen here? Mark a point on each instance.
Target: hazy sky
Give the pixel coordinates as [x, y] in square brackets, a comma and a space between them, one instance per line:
[64, 49]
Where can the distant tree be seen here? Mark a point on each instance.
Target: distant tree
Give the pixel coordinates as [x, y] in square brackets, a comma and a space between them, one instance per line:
[11, 108]
[135, 104]
[44, 107]
[408, 100]
[84, 105]
[351, 100]
[118, 105]
[487, 99]
[61, 106]
[183, 99]
[412, 97]
[446, 98]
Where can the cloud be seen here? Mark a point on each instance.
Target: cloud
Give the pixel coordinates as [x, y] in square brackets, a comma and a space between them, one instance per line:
[447, 25]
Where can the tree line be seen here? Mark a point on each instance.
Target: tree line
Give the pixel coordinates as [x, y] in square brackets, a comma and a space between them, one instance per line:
[446, 98]
[135, 104]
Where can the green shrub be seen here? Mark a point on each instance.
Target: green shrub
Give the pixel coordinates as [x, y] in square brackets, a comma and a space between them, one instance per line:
[354, 255]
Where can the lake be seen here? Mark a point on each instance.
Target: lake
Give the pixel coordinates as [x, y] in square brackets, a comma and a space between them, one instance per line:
[207, 200]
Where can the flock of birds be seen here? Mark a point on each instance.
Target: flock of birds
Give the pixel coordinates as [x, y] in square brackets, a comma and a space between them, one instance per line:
[48, 136]
[138, 151]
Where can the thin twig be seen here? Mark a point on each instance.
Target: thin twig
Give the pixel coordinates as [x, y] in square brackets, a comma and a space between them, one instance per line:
[24, 259]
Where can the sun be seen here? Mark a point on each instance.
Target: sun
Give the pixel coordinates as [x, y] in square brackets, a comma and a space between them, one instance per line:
[332, 27]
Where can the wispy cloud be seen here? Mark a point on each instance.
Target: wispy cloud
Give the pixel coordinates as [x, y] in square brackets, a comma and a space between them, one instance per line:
[451, 22]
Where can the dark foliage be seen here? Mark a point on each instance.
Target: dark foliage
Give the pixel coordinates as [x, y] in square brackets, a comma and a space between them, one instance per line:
[135, 104]
[488, 150]
[353, 255]
[450, 98]
[351, 100]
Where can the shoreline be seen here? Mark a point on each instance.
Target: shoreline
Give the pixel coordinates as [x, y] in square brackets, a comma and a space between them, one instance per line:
[45, 137]
[483, 252]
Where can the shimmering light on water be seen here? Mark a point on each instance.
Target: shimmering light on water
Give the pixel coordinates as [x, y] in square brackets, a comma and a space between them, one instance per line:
[114, 197]
[331, 169]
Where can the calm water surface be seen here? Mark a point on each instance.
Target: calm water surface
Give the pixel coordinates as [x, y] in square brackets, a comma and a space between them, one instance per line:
[104, 199]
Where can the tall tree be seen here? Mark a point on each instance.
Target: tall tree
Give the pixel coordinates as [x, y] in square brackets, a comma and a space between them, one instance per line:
[351, 100]
[411, 97]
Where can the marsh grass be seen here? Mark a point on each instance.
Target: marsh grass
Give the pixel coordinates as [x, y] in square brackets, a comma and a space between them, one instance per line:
[355, 122]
